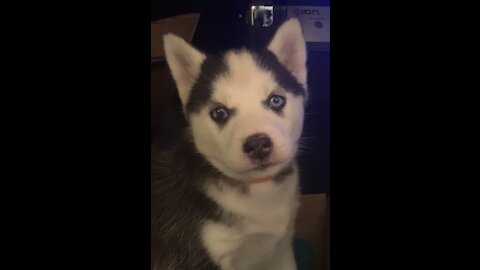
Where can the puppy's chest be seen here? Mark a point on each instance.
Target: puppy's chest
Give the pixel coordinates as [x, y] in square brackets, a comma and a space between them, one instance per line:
[256, 220]
[262, 213]
[264, 207]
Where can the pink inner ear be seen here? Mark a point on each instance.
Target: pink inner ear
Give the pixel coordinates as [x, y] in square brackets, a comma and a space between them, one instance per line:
[289, 54]
[188, 68]
[182, 61]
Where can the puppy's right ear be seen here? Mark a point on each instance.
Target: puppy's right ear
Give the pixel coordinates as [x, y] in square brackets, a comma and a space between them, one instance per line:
[184, 62]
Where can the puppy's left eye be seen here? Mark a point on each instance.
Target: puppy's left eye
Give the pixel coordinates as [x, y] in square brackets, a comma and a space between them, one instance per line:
[276, 102]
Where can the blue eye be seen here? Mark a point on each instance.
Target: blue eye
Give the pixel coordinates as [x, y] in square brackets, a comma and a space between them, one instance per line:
[219, 114]
[276, 102]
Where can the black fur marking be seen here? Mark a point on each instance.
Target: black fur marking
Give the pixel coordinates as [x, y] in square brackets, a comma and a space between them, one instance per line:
[212, 67]
[268, 61]
[179, 207]
[283, 174]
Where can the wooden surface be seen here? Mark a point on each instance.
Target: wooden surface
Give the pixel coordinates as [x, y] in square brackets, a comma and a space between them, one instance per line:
[183, 26]
[313, 224]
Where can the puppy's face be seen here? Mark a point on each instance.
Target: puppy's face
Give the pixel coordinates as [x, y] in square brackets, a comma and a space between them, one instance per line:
[245, 109]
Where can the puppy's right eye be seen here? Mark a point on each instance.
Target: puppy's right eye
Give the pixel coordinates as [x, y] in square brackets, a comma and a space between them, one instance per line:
[219, 114]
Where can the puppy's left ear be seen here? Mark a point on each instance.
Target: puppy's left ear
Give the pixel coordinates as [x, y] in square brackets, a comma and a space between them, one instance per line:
[288, 45]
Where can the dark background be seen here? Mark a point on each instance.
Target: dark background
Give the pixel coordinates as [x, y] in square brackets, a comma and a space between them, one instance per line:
[220, 28]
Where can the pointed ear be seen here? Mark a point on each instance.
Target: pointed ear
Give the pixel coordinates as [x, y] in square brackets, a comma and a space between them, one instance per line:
[184, 62]
[288, 45]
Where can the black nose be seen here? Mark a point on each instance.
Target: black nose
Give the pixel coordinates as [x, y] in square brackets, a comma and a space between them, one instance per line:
[257, 146]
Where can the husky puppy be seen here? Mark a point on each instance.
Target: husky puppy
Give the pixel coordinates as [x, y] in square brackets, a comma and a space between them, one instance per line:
[226, 196]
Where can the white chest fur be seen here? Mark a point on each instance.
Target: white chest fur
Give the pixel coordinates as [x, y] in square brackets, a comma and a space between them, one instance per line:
[261, 234]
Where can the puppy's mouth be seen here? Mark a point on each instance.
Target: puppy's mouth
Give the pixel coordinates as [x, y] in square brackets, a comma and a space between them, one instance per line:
[264, 166]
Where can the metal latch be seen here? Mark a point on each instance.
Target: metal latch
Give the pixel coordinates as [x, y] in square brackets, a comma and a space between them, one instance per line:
[260, 15]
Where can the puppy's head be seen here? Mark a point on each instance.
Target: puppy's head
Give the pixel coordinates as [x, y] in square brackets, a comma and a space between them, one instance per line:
[245, 109]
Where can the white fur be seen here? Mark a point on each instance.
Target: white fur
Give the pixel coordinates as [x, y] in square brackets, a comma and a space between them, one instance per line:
[261, 237]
